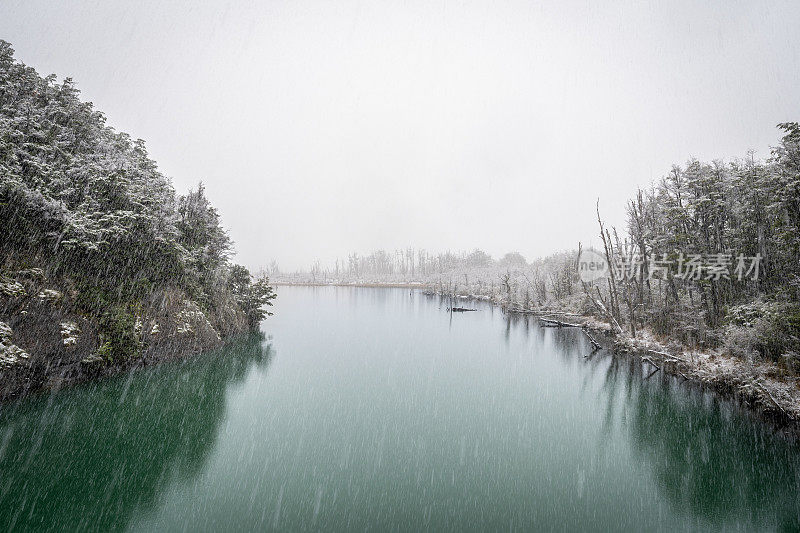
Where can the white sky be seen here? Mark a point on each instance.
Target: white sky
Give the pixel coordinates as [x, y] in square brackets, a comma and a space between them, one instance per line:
[325, 127]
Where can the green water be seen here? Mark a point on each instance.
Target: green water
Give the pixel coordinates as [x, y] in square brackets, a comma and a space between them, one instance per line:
[371, 409]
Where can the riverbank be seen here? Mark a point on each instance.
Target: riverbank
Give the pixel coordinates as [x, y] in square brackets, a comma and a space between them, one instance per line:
[761, 385]
[49, 340]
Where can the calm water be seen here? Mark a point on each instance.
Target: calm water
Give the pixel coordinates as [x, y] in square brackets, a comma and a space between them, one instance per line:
[372, 409]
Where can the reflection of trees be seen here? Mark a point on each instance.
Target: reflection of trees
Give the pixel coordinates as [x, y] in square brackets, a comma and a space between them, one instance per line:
[570, 343]
[88, 458]
[522, 323]
[709, 459]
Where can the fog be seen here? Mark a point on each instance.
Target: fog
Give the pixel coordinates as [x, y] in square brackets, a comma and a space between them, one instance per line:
[321, 129]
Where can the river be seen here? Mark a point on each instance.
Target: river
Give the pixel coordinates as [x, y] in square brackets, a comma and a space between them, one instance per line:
[376, 409]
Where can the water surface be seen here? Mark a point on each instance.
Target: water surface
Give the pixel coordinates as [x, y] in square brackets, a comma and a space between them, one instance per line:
[376, 409]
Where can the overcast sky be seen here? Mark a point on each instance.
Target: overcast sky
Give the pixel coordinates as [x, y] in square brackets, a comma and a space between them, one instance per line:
[325, 127]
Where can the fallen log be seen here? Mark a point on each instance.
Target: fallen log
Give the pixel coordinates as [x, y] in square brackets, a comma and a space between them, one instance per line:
[559, 324]
[771, 397]
[595, 344]
[545, 313]
[461, 309]
[645, 358]
[667, 355]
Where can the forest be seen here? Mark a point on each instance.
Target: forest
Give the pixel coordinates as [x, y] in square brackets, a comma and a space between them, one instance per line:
[95, 239]
[745, 208]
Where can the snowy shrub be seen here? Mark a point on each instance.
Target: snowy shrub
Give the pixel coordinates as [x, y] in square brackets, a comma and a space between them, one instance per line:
[10, 354]
[69, 333]
[769, 329]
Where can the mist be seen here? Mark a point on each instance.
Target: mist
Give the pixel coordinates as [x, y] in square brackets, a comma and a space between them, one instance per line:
[320, 129]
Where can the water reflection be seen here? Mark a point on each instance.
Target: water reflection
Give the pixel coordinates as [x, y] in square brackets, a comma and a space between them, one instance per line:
[88, 458]
[710, 459]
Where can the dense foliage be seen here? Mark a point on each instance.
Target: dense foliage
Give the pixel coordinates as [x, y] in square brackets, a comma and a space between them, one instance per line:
[88, 204]
[746, 207]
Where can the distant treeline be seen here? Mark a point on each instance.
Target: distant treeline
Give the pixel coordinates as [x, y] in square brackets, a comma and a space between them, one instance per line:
[407, 264]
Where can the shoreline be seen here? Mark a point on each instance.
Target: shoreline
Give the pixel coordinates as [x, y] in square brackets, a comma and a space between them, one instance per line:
[48, 342]
[758, 386]
[76, 374]
[761, 387]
